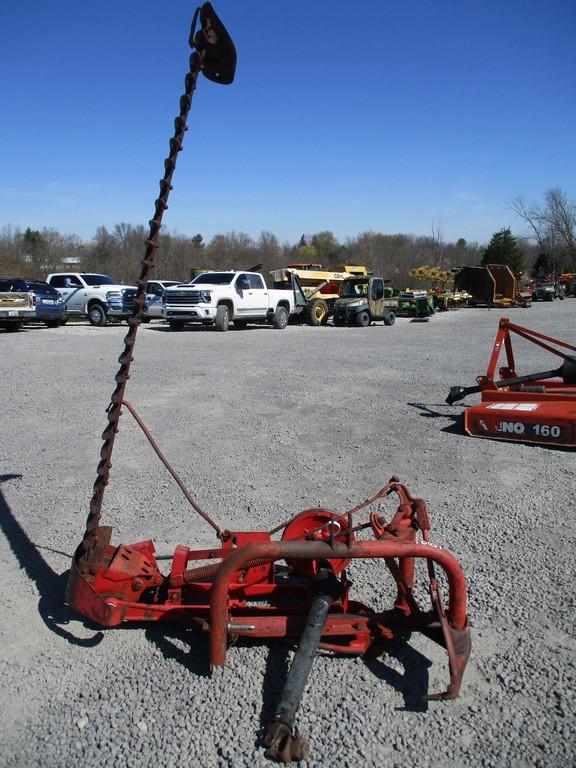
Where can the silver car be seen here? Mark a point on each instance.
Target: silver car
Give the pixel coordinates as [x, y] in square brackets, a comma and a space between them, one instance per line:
[153, 303]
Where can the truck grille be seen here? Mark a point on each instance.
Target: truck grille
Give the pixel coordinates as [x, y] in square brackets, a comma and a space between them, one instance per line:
[128, 296]
[182, 298]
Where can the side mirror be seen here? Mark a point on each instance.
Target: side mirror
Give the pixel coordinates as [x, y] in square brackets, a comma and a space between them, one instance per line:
[243, 284]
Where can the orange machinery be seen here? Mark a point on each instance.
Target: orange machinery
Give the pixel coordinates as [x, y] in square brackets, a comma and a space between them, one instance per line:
[532, 408]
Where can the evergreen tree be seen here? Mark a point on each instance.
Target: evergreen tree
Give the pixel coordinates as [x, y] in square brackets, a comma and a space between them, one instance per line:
[36, 248]
[544, 265]
[503, 249]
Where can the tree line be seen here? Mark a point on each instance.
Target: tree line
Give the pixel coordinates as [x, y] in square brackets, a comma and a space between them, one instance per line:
[551, 247]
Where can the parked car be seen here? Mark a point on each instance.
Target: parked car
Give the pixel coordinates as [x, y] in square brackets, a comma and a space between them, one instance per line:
[153, 305]
[46, 302]
[97, 297]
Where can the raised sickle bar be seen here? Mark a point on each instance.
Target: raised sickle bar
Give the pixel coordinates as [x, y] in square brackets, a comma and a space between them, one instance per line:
[215, 56]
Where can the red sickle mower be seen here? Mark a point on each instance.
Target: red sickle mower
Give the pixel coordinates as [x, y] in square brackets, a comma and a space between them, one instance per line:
[532, 408]
[294, 587]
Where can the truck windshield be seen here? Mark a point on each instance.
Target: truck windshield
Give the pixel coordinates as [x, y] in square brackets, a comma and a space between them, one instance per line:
[98, 280]
[214, 278]
[351, 289]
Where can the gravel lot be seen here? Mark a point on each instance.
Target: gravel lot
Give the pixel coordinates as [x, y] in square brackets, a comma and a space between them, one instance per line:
[262, 424]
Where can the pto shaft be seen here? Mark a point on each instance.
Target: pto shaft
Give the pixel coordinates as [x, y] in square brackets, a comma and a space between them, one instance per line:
[282, 740]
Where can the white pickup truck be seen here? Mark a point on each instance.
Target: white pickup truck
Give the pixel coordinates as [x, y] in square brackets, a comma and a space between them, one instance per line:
[85, 294]
[15, 307]
[216, 298]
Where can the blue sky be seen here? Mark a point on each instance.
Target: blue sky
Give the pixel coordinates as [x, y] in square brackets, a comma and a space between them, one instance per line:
[388, 116]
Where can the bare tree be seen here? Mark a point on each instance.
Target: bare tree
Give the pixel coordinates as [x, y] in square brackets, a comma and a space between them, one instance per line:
[269, 252]
[562, 216]
[437, 239]
[234, 250]
[553, 225]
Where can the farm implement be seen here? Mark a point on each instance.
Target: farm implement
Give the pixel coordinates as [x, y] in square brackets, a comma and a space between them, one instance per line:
[295, 588]
[290, 583]
[531, 408]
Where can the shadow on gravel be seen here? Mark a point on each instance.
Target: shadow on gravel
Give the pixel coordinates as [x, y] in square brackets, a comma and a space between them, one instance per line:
[413, 683]
[428, 412]
[199, 328]
[51, 585]
[275, 674]
[168, 639]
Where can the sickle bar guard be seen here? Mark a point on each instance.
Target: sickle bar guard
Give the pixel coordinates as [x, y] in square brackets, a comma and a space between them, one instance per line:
[295, 586]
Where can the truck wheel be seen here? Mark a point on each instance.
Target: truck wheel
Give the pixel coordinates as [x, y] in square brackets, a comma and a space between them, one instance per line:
[280, 319]
[176, 325]
[222, 318]
[363, 319]
[390, 319]
[240, 323]
[11, 325]
[97, 315]
[318, 312]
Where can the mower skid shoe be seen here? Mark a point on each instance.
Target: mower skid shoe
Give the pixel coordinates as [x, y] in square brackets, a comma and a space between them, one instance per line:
[83, 598]
[458, 646]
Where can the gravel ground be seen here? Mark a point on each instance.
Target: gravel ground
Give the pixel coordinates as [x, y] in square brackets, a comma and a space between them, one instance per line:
[262, 424]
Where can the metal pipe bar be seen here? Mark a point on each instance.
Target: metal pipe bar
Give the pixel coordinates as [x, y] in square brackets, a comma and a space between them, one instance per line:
[308, 550]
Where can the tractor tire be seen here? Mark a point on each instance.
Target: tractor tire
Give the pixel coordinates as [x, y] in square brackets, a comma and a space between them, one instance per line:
[317, 312]
[363, 319]
[280, 319]
[222, 318]
[97, 315]
[390, 319]
[176, 325]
